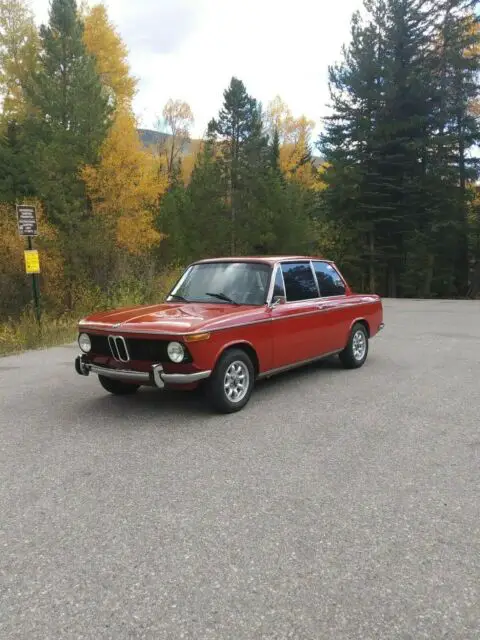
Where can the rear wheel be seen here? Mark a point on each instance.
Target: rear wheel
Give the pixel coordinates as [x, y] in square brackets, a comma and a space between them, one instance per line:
[356, 351]
[117, 387]
[230, 386]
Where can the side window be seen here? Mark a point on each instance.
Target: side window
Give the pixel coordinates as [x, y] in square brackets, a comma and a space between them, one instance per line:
[278, 287]
[329, 280]
[299, 281]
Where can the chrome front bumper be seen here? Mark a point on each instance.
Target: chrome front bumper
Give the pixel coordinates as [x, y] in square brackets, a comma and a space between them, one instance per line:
[156, 377]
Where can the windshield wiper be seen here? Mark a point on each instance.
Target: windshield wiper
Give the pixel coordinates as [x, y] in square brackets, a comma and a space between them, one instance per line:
[177, 297]
[221, 296]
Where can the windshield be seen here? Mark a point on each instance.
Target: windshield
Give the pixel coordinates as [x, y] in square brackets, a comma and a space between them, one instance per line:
[224, 282]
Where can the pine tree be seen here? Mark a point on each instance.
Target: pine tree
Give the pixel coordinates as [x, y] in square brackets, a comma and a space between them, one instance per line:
[396, 144]
[403, 125]
[459, 80]
[355, 195]
[68, 118]
[70, 115]
[275, 155]
[243, 156]
[15, 178]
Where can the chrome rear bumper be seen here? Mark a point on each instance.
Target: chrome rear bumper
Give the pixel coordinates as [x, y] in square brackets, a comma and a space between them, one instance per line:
[155, 377]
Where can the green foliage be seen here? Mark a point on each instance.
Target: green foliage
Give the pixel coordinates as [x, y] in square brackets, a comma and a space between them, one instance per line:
[237, 200]
[69, 116]
[15, 178]
[238, 136]
[394, 205]
[59, 328]
[195, 217]
[397, 144]
[23, 333]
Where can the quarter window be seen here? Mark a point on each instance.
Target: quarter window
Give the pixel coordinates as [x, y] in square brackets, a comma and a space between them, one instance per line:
[278, 287]
[329, 281]
[299, 281]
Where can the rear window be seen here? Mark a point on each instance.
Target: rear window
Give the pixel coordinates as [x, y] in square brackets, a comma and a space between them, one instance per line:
[329, 281]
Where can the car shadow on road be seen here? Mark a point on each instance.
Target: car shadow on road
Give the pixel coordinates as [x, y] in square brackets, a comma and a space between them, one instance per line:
[188, 406]
[330, 366]
[147, 403]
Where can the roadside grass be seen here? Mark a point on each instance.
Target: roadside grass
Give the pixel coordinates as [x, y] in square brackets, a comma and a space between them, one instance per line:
[23, 333]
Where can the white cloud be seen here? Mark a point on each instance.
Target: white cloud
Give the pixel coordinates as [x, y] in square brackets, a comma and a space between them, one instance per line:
[189, 49]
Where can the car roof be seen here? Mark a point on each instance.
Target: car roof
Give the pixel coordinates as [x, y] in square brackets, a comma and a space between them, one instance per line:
[263, 259]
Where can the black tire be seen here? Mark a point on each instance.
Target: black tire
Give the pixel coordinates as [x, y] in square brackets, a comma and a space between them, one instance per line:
[117, 387]
[215, 388]
[354, 356]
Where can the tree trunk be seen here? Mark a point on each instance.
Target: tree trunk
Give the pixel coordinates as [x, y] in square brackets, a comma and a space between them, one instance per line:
[371, 273]
[232, 222]
[427, 285]
[474, 289]
[462, 262]
[392, 280]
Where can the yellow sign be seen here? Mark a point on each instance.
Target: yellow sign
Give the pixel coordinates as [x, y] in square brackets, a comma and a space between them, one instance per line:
[32, 261]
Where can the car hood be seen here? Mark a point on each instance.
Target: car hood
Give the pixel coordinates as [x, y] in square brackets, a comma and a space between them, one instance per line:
[174, 318]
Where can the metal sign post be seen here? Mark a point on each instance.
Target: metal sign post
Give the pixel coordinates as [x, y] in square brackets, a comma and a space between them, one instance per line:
[27, 228]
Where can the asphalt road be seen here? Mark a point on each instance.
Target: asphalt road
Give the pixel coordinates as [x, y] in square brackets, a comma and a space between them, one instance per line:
[337, 505]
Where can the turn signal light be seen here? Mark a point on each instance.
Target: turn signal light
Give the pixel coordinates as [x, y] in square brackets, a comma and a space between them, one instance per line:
[197, 337]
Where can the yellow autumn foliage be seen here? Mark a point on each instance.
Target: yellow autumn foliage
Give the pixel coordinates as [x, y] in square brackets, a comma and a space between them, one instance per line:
[319, 183]
[126, 185]
[294, 135]
[102, 41]
[18, 56]
[474, 51]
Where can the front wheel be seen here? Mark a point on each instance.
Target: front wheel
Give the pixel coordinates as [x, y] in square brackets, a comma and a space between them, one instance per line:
[117, 387]
[231, 383]
[356, 351]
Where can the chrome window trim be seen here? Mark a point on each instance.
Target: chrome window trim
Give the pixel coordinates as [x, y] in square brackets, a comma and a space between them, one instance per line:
[305, 300]
[334, 267]
[283, 282]
[180, 281]
[275, 269]
[316, 279]
[194, 264]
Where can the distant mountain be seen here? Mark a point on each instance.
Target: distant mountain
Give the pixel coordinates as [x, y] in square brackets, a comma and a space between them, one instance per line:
[152, 138]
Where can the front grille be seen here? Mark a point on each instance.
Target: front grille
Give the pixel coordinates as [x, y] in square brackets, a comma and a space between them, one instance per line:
[138, 349]
[121, 347]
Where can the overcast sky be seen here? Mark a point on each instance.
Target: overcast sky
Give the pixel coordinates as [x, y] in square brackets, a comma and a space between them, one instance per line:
[189, 49]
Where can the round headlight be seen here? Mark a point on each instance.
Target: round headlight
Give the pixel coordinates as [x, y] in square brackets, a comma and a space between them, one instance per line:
[84, 342]
[175, 351]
